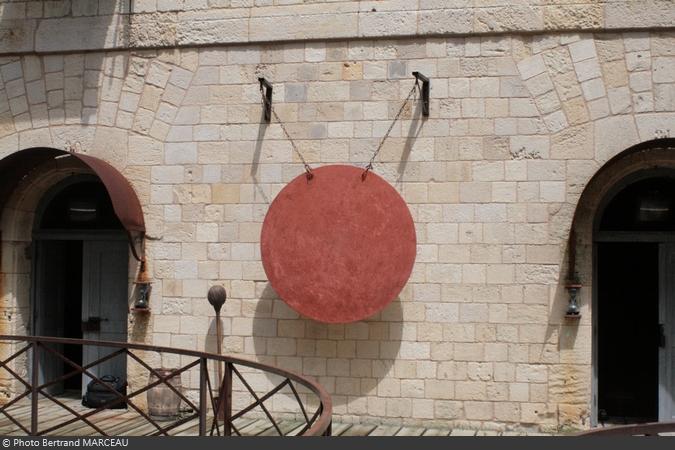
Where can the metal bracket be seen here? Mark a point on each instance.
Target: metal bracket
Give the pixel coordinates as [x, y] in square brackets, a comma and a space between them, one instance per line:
[425, 92]
[266, 89]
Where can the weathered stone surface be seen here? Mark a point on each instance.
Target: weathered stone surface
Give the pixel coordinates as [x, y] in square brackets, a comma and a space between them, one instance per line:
[209, 31]
[81, 33]
[655, 126]
[387, 23]
[613, 135]
[508, 18]
[17, 35]
[149, 30]
[630, 14]
[452, 21]
[573, 143]
[573, 17]
[303, 27]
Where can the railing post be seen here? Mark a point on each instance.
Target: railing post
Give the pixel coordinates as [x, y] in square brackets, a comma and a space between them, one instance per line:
[226, 393]
[203, 397]
[33, 391]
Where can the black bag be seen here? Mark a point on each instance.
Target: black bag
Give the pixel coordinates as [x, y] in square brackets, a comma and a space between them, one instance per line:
[98, 395]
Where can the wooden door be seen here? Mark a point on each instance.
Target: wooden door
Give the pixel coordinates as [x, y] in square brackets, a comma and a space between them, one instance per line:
[49, 297]
[104, 303]
[666, 334]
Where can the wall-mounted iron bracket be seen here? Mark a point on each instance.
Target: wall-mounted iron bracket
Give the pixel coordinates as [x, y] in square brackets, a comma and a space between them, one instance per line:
[426, 84]
[266, 90]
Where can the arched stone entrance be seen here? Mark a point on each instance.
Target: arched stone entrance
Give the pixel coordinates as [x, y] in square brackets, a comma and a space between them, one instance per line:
[66, 228]
[623, 250]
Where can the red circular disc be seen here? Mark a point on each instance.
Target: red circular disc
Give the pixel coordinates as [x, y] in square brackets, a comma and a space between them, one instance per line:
[338, 248]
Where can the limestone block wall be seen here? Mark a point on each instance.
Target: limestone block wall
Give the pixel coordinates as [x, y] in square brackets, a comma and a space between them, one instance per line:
[69, 25]
[518, 125]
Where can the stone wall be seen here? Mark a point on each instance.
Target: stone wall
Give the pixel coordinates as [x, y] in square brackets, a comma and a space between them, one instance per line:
[70, 25]
[518, 125]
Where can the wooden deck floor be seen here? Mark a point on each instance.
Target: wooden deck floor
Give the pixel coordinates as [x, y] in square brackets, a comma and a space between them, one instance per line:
[130, 423]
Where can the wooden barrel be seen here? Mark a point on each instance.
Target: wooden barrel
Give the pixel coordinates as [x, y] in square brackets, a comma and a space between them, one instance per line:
[162, 401]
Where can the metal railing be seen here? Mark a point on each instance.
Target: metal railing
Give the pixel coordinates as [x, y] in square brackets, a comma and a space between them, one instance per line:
[640, 429]
[212, 410]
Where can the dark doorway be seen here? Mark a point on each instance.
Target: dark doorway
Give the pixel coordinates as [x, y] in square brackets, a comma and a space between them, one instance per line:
[628, 313]
[80, 281]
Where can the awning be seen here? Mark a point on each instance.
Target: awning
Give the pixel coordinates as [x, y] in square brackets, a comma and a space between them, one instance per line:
[18, 165]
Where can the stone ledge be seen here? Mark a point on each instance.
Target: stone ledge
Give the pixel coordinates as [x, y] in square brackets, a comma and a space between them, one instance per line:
[320, 21]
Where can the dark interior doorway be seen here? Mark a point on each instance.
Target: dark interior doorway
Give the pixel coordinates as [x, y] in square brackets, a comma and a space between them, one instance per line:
[628, 316]
[80, 285]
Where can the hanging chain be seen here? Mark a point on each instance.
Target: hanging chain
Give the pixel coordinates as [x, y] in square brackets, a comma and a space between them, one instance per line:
[369, 167]
[266, 104]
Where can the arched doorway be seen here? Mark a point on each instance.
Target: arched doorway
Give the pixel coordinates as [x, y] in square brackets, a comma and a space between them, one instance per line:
[54, 250]
[80, 278]
[634, 307]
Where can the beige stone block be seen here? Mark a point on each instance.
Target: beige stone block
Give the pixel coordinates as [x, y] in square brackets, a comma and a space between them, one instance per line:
[519, 392]
[576, 112]
[587, 69]
[398, 407]
[615, 74]
[512, 17]
[442, 233]
[414, 350]
[475, 192]
[507, 411]
[423, 409]
[352, 70]
[532, 66]
[479, 410]
[445, 20]
[443, 312]
[473, 274]
[637, 61]
[531, 373]
[572, 17]
[445, 409]
[376, 406]
[469, 351]
[582, 49]
[536, 413]
[613, 135]
[572, 415]
[439, 389]
[166, 324]
[640, 81]
[51, 35]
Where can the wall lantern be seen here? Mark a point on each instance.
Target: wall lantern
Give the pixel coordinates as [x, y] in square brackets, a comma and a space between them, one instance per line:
[143, 288]
[573, 284]
[573, 287]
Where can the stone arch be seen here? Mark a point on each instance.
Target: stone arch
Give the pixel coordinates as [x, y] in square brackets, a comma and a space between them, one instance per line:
[647, 155]
[640, 161]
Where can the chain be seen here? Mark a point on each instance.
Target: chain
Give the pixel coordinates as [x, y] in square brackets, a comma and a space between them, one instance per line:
[265, 104]
[369, 167]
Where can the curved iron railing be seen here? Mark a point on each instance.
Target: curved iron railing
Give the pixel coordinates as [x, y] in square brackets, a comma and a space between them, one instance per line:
[641, 429]
[212, 410]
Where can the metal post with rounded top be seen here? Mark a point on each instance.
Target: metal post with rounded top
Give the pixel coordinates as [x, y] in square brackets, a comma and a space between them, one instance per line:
[216, 297]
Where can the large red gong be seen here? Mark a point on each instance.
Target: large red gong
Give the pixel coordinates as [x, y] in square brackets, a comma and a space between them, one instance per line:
[338, 247]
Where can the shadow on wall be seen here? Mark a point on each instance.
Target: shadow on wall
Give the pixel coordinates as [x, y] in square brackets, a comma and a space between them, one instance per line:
[61, 90]
[349, 360]
[567, 349]
[416, 124]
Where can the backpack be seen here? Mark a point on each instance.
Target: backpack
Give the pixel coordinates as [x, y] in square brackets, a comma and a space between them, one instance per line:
[97, 395]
